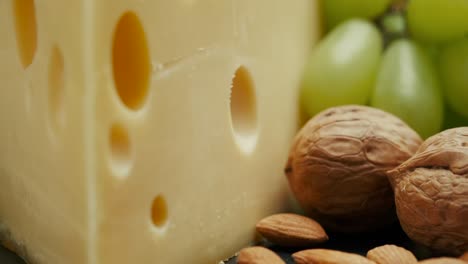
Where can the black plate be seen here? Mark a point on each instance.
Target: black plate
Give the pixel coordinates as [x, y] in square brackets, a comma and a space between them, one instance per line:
[359, 244]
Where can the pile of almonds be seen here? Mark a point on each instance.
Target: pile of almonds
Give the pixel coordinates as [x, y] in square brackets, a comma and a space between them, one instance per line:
[292, 230]
[359, 169]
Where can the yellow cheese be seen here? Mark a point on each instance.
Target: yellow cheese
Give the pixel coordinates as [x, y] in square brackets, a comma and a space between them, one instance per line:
[146, 131]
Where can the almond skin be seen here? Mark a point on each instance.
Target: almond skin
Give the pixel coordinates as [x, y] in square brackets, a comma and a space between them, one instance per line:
[389, 254]
[442, 261]
[258, 255]
[291, 230]
[464, 257]
[328, 256]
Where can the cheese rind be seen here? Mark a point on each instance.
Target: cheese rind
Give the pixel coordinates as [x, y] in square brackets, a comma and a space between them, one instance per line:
[43, 197]
[170, 177]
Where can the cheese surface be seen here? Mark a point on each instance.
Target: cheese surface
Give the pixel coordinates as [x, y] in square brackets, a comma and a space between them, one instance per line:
[146, 131]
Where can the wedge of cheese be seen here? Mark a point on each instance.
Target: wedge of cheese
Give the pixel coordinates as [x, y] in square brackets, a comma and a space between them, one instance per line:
[149, 131]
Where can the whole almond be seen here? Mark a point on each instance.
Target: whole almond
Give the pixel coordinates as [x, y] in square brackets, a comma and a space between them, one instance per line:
[464, 257]
[389, 254]
[328, 256]
[291, 230]
[443, 260]
[258, 255]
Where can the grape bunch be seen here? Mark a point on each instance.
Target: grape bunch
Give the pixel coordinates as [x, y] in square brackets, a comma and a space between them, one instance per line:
[407, 57]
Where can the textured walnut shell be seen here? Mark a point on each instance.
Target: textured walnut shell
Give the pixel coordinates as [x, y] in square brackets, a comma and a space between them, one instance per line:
[431, 192]
[337, 166]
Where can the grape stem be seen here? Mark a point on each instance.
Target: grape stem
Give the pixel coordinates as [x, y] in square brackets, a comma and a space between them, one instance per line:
[392, 23]
[398, 5]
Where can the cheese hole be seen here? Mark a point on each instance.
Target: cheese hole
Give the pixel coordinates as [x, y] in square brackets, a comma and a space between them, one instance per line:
[56, 88]
[130, 61]
[159, 212]
[120, 150]
[25, 26]
[244, 109]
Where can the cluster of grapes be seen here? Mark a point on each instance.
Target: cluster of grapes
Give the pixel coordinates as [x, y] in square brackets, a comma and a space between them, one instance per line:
[420, 74]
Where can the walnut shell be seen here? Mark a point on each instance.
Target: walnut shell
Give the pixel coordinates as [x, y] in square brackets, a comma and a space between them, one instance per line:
[431, 192]
[337, 166]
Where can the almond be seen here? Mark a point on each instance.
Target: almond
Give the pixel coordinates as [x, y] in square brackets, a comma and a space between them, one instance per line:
[442, 261]
[389, 254]
[464, 256]
[328, 256]
[291, 230]
[258, 255]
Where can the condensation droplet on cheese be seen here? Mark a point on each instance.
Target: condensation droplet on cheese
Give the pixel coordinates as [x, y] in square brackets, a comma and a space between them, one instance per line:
[131, 61]
[56, 88]
[156, 67]
[121, 152]
[26, 31]
[244, 109]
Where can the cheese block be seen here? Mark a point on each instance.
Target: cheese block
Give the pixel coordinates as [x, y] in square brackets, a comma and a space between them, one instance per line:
[146, 131]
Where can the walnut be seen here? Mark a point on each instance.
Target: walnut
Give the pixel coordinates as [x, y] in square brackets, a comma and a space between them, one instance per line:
[337, 166]
[431, 192]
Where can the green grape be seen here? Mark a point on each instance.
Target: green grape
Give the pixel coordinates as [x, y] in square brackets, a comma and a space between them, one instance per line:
[342, 67]
[432, 50]
[453, 68]
[394, 24]
[408, 87]
[337, 11]
[437, 20]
